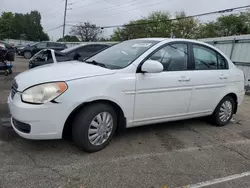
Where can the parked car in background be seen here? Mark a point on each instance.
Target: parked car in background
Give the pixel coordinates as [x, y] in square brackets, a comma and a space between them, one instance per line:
[31, 49]
[134, 83]
[20, 47]
[78, 52]
[7, 45]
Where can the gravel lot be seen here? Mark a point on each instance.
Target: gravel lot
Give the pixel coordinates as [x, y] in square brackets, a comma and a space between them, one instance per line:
[172, 154]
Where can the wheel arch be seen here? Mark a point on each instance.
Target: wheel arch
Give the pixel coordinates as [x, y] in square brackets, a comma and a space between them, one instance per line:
[235, 98]
[122, 122]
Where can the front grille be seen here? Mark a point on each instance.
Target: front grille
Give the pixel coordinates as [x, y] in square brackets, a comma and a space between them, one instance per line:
[14, 89]
[23, 127]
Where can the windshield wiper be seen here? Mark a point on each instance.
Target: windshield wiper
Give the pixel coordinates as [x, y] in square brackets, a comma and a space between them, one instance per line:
[95, 63]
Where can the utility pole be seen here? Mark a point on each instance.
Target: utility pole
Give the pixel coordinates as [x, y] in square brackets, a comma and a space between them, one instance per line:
[65, 15]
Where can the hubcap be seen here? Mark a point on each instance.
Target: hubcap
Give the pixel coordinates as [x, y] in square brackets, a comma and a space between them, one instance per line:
[225, 111]
[27, 55]
[100, 128]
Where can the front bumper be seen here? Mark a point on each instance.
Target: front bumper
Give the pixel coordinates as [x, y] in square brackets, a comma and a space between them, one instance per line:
[46, 121]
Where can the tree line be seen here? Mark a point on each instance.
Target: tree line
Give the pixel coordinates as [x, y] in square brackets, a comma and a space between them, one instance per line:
[160, 24]
[181, 27]
[22, 26]
[156, 24]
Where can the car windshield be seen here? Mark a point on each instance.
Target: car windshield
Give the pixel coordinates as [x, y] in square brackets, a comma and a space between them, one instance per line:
[122, 54]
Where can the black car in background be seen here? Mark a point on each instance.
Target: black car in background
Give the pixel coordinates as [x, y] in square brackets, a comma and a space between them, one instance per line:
[31, 49]
[79, 52]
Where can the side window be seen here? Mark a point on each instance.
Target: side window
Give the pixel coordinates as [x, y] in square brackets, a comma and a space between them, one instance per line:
[206, 59]
[173, 57]
[54, 45]
[222, 62]
[59, 45]
[51, 44]
[81, 50]
[90, 48]
[100, 47]
[41, 45]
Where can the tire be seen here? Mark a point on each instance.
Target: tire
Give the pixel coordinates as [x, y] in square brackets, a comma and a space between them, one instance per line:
[217, 117]
[86, 119]
[6, 73]
[27, 55]
[10, 71]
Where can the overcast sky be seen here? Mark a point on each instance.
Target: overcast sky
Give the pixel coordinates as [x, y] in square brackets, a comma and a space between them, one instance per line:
[110, 12]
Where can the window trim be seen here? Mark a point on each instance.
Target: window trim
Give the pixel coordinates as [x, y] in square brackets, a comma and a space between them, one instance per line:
[189, 63]
[227, 67]
[208, 47]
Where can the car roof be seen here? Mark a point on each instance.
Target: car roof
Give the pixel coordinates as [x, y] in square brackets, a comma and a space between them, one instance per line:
[50, 42]
[170, 39]
[155, 39]
[90, 44]
[178, 39]
[73, 48]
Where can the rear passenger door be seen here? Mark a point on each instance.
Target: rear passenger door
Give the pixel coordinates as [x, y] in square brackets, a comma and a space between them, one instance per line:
[210, 78]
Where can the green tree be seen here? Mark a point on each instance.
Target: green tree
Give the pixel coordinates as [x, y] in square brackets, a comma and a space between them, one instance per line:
[68, 38]
[158, 24]
[6, 24]
[155, 25]
[233, 24]
[184, 27]
[17, 25]
[86, 32]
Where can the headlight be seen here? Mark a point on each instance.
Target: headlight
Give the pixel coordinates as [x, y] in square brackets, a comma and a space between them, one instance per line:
[44, 92]
[20, 48]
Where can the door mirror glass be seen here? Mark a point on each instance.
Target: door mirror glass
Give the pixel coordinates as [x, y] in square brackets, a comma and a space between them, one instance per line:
[152, 66]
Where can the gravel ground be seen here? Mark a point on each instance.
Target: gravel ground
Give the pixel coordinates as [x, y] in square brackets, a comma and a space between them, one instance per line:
[171, 154]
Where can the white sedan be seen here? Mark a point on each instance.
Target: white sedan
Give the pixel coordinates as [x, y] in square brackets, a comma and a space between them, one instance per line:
[133, 83]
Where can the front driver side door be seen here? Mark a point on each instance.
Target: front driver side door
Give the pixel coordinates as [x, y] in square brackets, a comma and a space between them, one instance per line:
[166, 95]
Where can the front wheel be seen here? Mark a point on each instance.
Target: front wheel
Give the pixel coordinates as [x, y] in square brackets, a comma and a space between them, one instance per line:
[94, 127]
[224, 111]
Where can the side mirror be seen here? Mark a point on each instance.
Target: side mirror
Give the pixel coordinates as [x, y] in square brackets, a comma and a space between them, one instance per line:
[152, 66]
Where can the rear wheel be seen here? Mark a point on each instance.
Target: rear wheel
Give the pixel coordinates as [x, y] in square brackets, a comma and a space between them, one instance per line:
[27, 55]
[94, 127]
[224, 111]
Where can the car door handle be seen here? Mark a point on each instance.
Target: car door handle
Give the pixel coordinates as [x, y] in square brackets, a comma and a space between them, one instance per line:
[222, 77]
[184, 79]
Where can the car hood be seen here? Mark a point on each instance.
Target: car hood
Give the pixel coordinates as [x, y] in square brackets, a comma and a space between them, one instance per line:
[63, 71]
